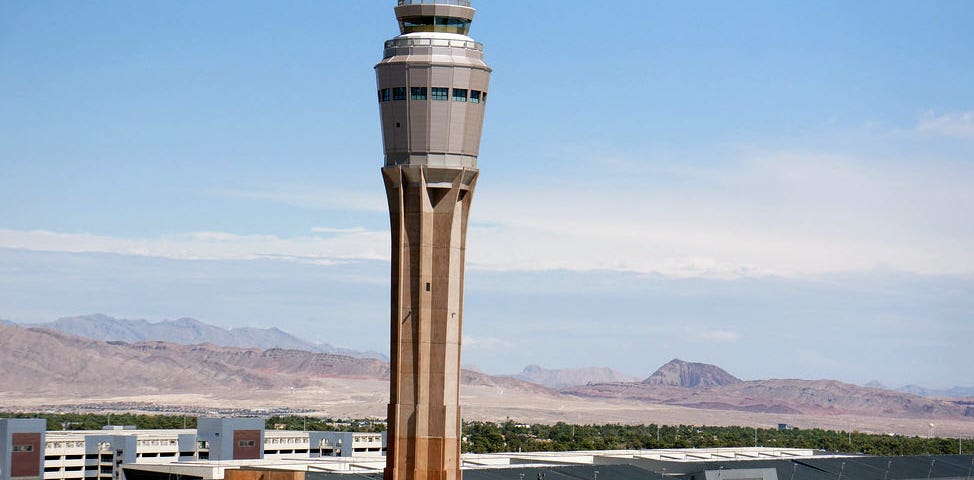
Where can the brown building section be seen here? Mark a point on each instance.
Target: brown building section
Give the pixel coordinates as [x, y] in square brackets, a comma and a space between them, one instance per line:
[25, 456]
[245, 473]
[246, 444]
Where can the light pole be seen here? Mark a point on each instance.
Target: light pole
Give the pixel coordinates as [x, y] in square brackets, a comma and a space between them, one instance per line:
[849, 433]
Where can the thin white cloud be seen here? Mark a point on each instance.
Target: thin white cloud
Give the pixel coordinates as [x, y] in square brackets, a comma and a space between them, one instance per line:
[487, 343]
[324, 250]
[949, 124]
[319, 199]
[714, 335]
[772, 213]
[338, 230]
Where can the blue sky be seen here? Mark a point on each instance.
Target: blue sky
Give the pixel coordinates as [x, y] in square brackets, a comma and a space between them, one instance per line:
[783, 189]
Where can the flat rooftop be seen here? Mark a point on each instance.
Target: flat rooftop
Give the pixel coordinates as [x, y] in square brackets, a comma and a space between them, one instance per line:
[487, 461]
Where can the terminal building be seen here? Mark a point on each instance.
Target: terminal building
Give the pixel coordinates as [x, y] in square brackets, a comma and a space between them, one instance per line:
[29, 452]
[241, 449]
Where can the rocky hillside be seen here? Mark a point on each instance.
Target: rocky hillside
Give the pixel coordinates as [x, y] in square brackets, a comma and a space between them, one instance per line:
[677, 373]
[954, 392]
[709, 387]
[188, 331]
[47, 362]
[568, 377]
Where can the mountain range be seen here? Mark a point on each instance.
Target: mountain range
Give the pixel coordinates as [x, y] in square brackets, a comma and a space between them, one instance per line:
[189, 331]
[568, 377]
[44, 362]
[953, 392]
[49, 363]
[706, 386]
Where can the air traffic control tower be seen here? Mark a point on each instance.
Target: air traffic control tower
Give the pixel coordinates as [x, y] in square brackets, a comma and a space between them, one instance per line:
[432, 89]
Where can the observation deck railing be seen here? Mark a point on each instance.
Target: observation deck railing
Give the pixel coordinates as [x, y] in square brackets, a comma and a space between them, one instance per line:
[433, 42]
[462, 3]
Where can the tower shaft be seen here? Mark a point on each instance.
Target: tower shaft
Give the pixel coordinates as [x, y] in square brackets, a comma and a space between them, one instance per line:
[429, 227]
[432, 92]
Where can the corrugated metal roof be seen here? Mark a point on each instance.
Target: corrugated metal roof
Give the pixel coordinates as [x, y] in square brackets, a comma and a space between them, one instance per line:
[942, 467]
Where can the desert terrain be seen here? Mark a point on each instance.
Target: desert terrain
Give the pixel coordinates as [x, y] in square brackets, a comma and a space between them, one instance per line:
[367, 398]
[46, 369]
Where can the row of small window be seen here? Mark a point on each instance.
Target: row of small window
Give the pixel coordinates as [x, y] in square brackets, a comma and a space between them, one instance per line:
[435, 93]
[70, 469]
[156, 443]
[55, 458]
[160, 454]
[286, 440]
[53, 445]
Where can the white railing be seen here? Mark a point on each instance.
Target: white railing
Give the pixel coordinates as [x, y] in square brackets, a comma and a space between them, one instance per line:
[462, 3]
[433, 42]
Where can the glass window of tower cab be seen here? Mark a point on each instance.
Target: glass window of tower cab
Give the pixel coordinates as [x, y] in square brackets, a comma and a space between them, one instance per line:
[434, 24]
[434, 16]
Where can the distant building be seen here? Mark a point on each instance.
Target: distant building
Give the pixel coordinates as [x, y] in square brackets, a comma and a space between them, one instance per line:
[230, 438]
[22, 448]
